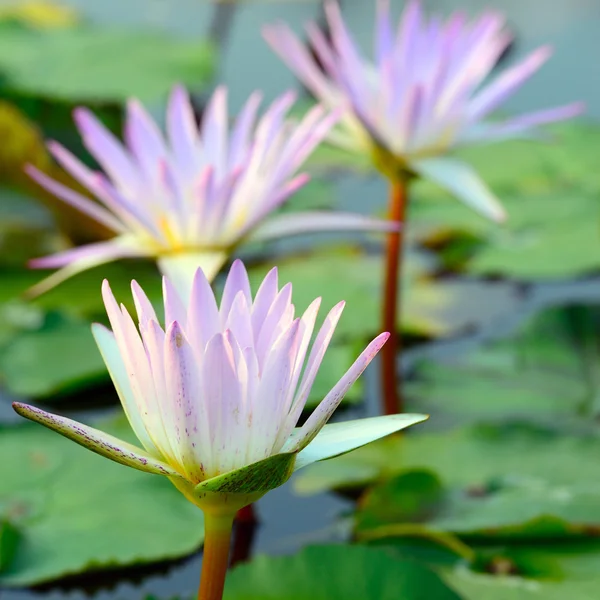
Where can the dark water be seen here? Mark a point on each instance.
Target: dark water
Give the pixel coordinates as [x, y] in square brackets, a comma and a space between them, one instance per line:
[571, 26]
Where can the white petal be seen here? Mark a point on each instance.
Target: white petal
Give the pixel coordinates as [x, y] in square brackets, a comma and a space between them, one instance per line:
[323, 412]
[203, 313]
[182, 379]
[97, 441]
[115, 364]
[339, 438]
[463, 182]
[269, 410]
[282, 226]
[181, 267]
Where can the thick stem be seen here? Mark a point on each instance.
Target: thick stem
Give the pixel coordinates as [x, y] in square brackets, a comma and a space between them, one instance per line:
[217, 541]
[390, 377]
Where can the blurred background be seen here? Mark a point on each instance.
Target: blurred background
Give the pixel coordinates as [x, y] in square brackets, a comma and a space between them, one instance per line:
[502, 323]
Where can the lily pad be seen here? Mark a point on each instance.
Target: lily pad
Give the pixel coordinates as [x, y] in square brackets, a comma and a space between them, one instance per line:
[61, 356]
[330, 572]
[470, 458]
[77, 511]
[546, 373]
[474, 586]
[89, 64]
[551, 193]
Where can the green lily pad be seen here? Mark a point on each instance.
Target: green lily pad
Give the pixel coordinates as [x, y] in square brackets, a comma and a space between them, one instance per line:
[61, 356]
[513, 506]
[475, 586]
[546, 373]
[551, 193]
[88, 64]
[77, 511]
[470, 458]
[9, 540]
[330, 572]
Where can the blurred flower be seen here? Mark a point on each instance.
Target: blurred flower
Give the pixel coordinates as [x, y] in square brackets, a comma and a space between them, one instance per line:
[422, 95]
[214, 398]
[190, 199]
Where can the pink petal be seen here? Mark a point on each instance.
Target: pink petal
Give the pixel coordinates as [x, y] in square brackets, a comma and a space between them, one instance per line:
[323, 412]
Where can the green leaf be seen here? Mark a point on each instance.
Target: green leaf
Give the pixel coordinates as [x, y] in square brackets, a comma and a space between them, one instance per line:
[473, 459]
[87, 64]
[330, 572]
[550, 192]
[59, 357]
[78, 511]
[544, 374]
[9, 541]
[474, 586]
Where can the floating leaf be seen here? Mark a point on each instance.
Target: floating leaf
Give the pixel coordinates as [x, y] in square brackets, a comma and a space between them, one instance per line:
[331, 572]
[470, 458]
[542, 374]
[551, 193]
[9, 541]
[78, 511]
[87, 64]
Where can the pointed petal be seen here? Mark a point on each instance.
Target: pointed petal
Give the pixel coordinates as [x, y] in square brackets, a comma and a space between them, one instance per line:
[184, 392]
[237, 281]
[181, 267]
[72, 198]
[494, 94]
[265, 296]
[107, 150]
[323, 412]
[183, 130]
[282, 226]
[175, 309]
[109, 349]
[339, 438]
[97, 441]
[203, 313]
[462, 181]
[81, 259]
[521, 126]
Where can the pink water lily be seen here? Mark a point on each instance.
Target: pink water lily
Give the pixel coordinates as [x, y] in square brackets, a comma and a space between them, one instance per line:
[423, 94]
[214, 398]
[190, 197]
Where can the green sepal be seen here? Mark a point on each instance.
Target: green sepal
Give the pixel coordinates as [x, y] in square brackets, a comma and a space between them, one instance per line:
[257, 478]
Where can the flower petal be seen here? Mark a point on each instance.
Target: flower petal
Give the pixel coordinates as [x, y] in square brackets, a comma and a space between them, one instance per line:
[491, 96]
[463, 182]
[81, 259]
[522, 126]
[181, 267]
[323, 412]
[282, 226]
[339, 438]
[97, 441]
[109, 349]
[81, 203]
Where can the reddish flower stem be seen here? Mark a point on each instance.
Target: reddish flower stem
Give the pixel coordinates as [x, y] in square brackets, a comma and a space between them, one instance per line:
[390, 376]
[215, 560]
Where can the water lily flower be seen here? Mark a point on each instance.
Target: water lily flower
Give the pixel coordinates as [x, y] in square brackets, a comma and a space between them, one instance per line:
[214, 398]
[422, 95]
[191, 197]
